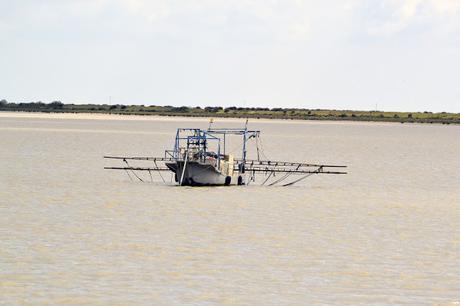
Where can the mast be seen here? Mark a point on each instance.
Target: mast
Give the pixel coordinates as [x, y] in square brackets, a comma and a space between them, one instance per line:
[244, 144]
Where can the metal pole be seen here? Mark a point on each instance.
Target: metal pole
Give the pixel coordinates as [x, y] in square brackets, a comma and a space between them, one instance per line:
[245, 137]
[176, 145]
[224, 144]
[218, 155]
[183, 169]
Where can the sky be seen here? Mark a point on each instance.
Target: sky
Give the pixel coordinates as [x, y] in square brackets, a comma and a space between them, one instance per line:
[401, 55]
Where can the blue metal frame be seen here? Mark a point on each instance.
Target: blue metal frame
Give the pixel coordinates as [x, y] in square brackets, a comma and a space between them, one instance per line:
[247, 134]
[200, 138]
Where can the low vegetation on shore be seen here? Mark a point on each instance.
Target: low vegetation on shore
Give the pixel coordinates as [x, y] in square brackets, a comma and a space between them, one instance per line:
[234, 112]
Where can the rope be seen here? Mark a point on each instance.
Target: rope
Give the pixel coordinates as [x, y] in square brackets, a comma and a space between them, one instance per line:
[133, 171]
[298, 180]
[159, 172]
[268, 178]
[284, 177]
[304, 177]
[251, 174]
[150, 173]
[281, 179]
[129, 175]
[262, 149]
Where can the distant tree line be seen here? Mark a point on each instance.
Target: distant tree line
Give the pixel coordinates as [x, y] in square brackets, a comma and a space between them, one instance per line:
[58, 105]
[233, 111]
[4, 105]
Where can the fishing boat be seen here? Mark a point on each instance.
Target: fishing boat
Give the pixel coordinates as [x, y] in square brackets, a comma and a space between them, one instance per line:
[200, 158]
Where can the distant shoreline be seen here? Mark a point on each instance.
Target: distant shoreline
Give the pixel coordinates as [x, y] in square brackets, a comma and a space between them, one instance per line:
[234, 112]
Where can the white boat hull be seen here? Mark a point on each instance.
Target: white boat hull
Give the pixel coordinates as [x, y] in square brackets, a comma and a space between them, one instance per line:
[198, 174]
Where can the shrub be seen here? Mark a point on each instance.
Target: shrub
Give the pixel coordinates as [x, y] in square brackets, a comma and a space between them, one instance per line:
[56, 105]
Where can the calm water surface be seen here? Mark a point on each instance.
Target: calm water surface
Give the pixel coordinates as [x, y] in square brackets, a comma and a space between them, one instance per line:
[72, 233]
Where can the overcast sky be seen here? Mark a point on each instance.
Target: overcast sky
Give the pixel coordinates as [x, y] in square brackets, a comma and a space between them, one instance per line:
[342, 54]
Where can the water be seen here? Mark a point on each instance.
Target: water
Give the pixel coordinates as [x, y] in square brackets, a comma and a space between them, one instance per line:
[72, 233]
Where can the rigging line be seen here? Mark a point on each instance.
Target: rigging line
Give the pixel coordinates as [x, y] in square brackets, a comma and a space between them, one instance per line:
[131, 179]
[266, 171]
[248, 175]
[281, 179]
[133, 171]
[252, 173]
[151, 178]
[285, 176]
[129, 175]
[251, 177]
[262, 149]
[267, 178]
[233, 148]
[304, 177]
[300, 179]
[159, 172]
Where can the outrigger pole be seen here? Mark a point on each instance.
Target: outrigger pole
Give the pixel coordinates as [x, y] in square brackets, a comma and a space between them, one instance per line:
[268, 168]
[197, 160]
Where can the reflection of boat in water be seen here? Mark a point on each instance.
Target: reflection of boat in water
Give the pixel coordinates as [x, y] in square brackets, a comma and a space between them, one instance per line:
[199, 158]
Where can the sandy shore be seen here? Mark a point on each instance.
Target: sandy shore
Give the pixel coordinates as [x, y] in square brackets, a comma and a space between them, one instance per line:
[94, 116]
[83, 116]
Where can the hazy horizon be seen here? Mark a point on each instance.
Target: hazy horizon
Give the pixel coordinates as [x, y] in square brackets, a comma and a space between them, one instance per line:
[390, 55]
